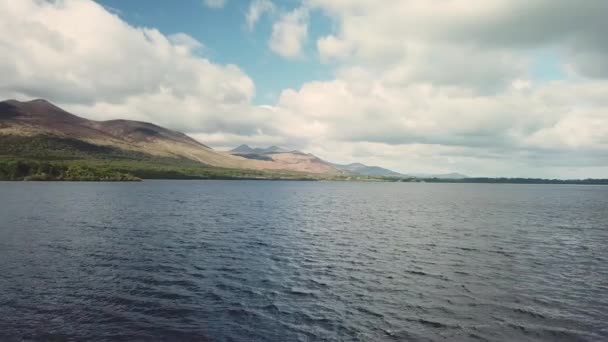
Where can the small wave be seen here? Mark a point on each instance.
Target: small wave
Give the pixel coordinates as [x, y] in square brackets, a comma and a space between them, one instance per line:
[477, 337]
[468, 249]
[421, 273]
[272, 308]
[239, 312]
[369, 312]
[554, 334]
[214, 297]
[260, 243]
[465, 288]
[503, 253]
[166, 295]
[228, 269]
[528, 312]
[433, 324]
[302, 292]
[318, 283]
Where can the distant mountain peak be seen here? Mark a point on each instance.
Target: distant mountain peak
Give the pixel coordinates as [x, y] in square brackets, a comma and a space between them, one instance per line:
[365, 170]
[257, 150]
[451, 175]
[242, 149]
[41, 101]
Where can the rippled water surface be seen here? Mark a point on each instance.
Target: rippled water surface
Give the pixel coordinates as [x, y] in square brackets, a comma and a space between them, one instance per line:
[303, 261]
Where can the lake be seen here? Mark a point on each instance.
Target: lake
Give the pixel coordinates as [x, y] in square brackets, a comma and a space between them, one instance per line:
[303, 261]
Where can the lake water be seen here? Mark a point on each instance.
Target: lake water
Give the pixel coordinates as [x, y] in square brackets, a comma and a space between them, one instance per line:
[303, 261]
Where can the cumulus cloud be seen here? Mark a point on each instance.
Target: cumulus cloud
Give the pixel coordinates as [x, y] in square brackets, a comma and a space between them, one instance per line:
[186, 42]
[332, 48]
[458, 76]
[289, 33]
[228, 141]
[106, 69]
[551, 116]
[257, 9]
[215, 4]
[419, 32]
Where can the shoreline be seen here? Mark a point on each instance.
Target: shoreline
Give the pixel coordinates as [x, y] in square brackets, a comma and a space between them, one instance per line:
[442, 181]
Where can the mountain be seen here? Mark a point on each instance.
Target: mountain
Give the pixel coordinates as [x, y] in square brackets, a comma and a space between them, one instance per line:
[376, 171]
[243, 149]
[452, 175]
[315, 164]
[365, 170]
[248, 150]
[278, 153]
[42, 118]
[39, 129]
[293, 160]
[274, 149]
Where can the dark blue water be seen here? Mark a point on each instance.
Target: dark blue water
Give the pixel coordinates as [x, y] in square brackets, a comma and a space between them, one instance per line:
[303, 261]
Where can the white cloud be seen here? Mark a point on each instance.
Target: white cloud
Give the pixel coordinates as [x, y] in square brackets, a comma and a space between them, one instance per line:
[527, 129]
[257, 9]
[185, 42]
[289, 33]
[418, 33]
[107, 68]
[215, 4]
[333, 48]
[357, 107]
[457, 76]
[227, 141]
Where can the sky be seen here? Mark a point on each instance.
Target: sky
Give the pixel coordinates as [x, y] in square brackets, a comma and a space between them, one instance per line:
[510, 88]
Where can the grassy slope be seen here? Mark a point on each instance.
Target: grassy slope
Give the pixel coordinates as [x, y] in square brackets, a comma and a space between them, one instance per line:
[53, 158]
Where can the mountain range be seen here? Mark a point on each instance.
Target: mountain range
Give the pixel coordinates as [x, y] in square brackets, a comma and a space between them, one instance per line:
[272, 152]
[451, 175]
[245, 149]
[38, 129]
[362, 169]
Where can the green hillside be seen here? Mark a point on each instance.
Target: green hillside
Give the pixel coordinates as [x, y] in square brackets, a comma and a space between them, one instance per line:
[46, 157]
